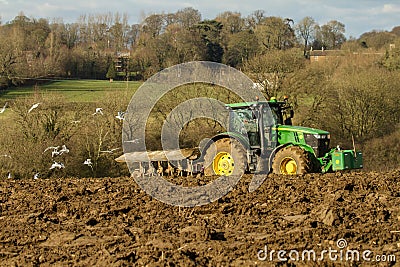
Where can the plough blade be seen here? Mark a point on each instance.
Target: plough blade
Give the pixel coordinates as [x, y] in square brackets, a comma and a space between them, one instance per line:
[145, 156]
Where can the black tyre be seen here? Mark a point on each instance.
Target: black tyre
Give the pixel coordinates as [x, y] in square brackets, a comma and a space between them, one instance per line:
[226, 157]
[291, 160]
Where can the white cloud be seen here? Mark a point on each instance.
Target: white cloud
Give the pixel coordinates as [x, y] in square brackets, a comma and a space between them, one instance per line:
[391, 8]
[52, 8]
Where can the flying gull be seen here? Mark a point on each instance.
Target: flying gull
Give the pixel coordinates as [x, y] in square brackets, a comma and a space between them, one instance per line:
[33, 107]
[57, 165]
[4, 108]
[88, 162]
[98, 111]
[120, 115]
[110, 151]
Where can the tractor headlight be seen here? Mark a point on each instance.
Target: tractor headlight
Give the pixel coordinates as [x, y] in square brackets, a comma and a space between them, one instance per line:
[320, 136]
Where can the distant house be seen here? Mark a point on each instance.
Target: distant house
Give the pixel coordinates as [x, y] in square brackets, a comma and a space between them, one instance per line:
[121, 61]
[324, 55]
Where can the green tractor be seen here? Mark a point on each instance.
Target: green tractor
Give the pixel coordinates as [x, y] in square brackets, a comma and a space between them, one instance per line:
[260, 139]
[258, 142]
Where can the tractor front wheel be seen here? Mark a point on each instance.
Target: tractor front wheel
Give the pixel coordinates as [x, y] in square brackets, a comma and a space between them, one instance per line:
[226, 157]
[291, 160]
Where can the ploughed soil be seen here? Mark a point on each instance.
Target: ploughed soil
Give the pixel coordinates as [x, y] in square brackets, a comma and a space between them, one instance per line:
[112, 222]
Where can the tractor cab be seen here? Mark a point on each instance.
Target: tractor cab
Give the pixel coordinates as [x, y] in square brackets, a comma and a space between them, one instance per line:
[259, 120]
[282, 110]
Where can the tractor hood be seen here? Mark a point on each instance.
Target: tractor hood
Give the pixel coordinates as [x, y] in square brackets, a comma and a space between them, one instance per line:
[304, 130]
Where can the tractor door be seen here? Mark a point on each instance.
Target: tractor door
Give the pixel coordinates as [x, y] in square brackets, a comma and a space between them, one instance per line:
[269, 131]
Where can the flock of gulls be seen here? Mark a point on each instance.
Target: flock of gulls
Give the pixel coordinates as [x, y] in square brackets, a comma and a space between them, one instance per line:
[57, 150]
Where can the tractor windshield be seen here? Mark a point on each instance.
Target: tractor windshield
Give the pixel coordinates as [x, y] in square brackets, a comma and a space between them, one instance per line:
[245, 122]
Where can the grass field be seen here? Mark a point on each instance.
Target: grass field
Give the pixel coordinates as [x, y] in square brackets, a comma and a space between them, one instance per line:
[72, 90]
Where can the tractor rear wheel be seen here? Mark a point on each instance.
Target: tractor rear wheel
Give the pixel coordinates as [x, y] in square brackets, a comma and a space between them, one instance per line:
[291, 160]
[226, 157]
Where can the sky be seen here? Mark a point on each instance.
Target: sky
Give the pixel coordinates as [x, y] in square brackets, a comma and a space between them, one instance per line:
[358, 16]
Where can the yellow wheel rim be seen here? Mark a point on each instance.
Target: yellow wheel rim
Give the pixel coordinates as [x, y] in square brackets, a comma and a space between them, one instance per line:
[288, 166]
[223, 164]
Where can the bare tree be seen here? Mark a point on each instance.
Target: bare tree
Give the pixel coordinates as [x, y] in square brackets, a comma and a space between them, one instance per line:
[188, 17]
[271, 69]
[305, 29]
[275, 33]
[153, 25]
[232, 22]
[332, 34]
[255, 19]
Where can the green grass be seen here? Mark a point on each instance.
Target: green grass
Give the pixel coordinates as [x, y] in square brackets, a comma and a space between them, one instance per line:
[72, 90]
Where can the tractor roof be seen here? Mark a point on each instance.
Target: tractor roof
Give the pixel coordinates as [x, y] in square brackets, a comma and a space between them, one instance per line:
[255, 103]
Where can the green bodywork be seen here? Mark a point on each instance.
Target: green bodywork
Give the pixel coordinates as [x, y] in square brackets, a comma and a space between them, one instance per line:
[314, 141]
[288, 134]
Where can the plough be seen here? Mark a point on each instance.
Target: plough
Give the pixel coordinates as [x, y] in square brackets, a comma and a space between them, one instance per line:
[168, 163]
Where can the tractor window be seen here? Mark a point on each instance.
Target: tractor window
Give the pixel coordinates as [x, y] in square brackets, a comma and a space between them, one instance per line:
[245, 122]
[270, 120]
[276, 116]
